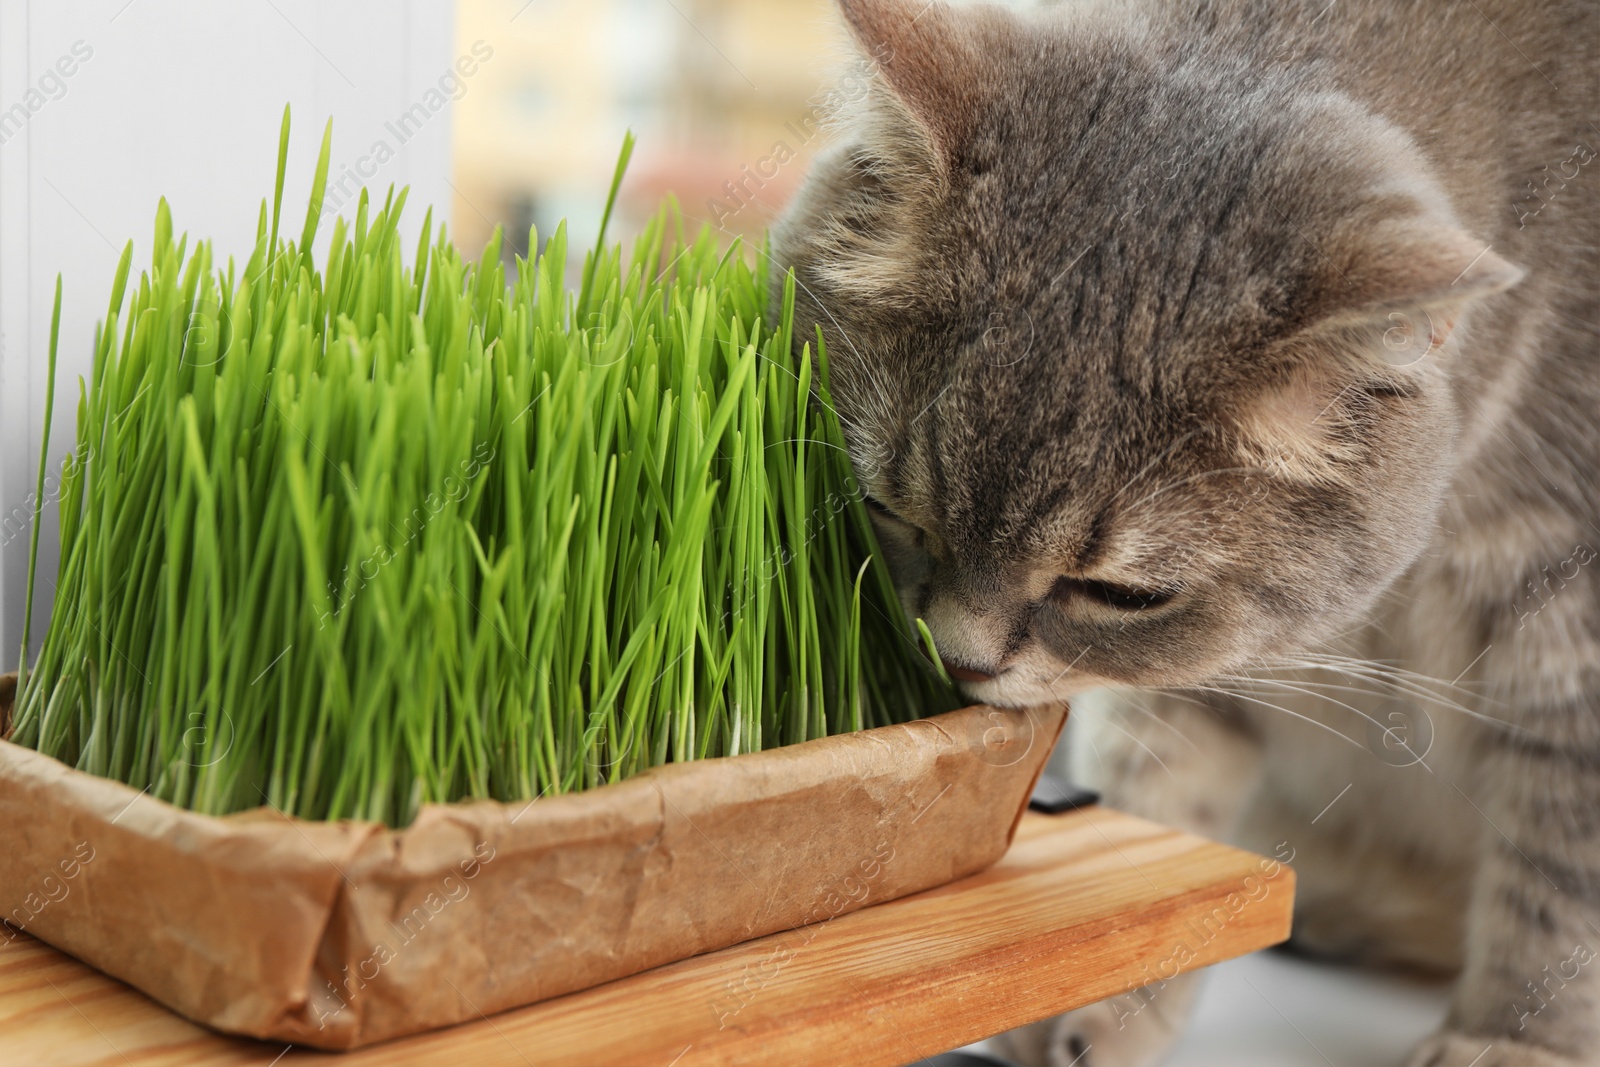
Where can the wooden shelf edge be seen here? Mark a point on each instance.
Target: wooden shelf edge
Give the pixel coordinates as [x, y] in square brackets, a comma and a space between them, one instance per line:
[1086, 905]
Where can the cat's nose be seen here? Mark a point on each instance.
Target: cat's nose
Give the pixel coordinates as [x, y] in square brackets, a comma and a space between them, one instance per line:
[965, 674]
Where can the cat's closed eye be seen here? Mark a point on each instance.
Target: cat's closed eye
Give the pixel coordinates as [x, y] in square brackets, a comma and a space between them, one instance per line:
[890, 525]
[879, 510]
[1119, 597]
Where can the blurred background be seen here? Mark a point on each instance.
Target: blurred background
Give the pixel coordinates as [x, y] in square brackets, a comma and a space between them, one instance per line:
[725, 96]
[499, 113]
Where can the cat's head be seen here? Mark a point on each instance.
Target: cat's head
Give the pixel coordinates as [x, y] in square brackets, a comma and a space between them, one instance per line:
[1143, 357]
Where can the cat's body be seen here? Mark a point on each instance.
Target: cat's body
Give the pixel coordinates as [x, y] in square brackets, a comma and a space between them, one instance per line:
[1181, 345]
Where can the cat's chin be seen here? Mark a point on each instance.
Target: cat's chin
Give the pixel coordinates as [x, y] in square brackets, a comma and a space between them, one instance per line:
[1013, 689]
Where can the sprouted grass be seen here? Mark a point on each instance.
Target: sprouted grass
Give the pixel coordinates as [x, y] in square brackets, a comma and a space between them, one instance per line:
[348, 537]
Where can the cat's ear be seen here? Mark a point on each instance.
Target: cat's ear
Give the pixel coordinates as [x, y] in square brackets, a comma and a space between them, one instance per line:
[1387, 301]
[930, 57]
[1413, 275]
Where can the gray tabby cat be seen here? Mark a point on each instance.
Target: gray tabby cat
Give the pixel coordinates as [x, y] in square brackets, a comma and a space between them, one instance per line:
[1243, 355]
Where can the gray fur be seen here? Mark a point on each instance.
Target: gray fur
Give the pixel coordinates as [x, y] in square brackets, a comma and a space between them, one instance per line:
[1251, 305]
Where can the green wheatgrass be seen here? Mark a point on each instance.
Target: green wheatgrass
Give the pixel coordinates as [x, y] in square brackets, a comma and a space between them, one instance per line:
[352, 536]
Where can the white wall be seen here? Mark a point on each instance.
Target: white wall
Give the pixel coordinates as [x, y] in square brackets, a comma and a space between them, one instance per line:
[182, 99]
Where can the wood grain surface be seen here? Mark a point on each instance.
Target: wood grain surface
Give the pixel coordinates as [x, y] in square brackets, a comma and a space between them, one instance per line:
[1085, 905]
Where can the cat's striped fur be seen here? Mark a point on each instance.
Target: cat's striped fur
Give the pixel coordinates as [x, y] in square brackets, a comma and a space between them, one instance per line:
[1246, 356]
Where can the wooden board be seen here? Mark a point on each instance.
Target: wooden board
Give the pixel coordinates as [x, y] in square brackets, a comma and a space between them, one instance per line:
[1085, 905]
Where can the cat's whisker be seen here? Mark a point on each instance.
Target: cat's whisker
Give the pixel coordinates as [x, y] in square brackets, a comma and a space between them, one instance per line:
[1410, 682]
[1291, 687]
[1369, 667]
[1179, 694]
[1416, 693]
[1125, 733]
[790, 371]
[1138, 706]
[1402, 685]
[843, 333]
[1088, 735]
[1357, 672]
[1051, 684]
[808, 441]
[886, 404]
[1328, 685]
[1275, 707]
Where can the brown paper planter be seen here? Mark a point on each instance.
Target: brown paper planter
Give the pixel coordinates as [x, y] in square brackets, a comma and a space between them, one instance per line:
[341, 934]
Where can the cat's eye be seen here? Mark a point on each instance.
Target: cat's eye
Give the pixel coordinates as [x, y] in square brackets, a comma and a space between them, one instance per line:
[884, 514]
[1119, 597]
[878, 509]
